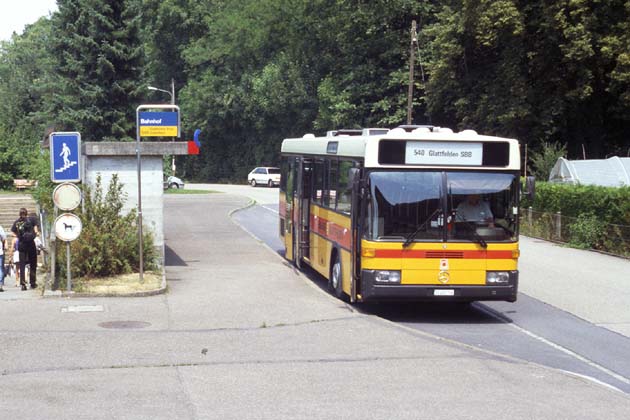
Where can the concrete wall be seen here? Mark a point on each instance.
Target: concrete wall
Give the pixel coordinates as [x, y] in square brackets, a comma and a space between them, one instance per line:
[109, 158]
[126, 167]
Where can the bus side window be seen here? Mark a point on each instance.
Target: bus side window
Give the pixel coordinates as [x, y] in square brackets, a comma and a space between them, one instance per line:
[344, 187]
[318, 182]
[330, 190]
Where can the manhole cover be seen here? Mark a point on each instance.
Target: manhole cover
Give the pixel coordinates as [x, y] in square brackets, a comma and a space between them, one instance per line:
[124, 324]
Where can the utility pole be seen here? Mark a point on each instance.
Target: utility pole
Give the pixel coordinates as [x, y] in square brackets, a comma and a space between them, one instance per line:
[412, 57]
[173, 139]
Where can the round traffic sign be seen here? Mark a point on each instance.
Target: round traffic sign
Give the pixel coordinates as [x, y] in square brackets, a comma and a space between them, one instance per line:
[68, 227]
[67, 196]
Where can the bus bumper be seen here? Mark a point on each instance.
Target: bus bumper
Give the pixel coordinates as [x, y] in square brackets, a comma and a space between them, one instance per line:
[373, 291]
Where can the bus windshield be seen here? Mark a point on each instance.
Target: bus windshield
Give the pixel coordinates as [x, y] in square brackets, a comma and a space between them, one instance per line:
[430, 206]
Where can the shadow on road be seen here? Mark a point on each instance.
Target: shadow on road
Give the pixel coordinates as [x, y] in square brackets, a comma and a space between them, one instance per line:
[432, 312]
[171, 258]
[418, 312]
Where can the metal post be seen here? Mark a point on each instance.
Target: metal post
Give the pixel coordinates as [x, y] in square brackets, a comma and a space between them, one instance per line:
[172, 91]
[559, 225]
[69, 275]
[411, 63]
[140, 247]
[529, 216]
[53, 255]
[138, 146]
[173, 138]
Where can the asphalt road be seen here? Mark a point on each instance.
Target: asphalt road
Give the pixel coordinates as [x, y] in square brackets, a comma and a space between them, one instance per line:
[530, 329]
[240, 334]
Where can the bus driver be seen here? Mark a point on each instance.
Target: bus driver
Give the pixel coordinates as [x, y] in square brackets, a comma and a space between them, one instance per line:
[474, 209]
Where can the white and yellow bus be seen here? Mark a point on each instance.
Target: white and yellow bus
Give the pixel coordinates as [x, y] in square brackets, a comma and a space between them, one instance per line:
[384, 216]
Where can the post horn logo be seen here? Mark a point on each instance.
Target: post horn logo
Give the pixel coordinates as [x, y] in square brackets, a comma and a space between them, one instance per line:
[444, 277]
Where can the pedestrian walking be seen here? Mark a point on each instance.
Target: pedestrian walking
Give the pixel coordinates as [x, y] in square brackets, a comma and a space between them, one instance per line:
[3, 242]
[25, 232]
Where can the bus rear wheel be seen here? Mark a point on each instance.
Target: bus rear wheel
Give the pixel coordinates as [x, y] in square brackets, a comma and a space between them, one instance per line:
[335, 284]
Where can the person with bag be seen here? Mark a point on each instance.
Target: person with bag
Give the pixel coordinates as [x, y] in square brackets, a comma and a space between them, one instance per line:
[25, 232]
[3, 240]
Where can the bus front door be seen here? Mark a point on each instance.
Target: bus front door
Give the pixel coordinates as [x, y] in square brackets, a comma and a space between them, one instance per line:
[289, 236]
[358, 216]
[302, 204]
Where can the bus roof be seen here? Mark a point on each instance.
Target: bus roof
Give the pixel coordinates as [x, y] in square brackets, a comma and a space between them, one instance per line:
[366, 147]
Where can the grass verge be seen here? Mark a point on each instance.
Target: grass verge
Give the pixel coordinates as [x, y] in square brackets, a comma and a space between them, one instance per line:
[122, 284]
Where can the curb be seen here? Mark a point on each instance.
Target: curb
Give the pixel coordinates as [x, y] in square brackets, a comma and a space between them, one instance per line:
[65, 294]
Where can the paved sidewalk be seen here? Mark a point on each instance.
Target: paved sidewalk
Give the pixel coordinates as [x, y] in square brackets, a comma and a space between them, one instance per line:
[590, 285]
[13, 292]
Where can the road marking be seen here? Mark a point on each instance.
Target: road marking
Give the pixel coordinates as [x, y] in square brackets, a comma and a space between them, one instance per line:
[267, 208]
[82, 308]
[597, 381]
[558, 347]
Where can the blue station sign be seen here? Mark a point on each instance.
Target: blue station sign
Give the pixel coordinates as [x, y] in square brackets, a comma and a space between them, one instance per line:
[65, 157]
[158, 124]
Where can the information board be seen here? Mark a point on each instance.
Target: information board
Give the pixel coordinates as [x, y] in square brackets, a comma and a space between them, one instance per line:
[158, 124]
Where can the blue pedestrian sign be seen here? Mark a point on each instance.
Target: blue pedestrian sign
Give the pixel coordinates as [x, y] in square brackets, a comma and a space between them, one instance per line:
[65, 157]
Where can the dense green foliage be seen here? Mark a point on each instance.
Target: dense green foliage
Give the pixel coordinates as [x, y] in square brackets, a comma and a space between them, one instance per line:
[544, 159]
[583, 216]
[252, 72]
[610, 205]
[98, 67]
[108, 244]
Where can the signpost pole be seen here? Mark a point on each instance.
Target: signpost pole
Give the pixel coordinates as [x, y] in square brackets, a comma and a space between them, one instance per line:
[69, 277]
[53, 256]
[140, 247]
[155, 125]
[66, 168]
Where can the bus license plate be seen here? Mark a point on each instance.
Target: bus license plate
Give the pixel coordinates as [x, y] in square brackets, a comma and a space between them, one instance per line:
[444, 292]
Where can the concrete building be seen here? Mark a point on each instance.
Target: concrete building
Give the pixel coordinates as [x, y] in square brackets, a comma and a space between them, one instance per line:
[109, 158]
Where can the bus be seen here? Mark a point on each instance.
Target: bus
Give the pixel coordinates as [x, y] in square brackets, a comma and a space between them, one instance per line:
[389, 215]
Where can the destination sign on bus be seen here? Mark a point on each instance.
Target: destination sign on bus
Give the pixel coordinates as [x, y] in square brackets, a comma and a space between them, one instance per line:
[443, 153]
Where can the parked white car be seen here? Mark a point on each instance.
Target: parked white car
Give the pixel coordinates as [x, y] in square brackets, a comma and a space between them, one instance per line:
[264, 175]
[173, 182]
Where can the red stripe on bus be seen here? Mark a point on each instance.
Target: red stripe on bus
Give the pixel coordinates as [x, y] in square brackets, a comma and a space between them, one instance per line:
[331, 231]
[439, 254]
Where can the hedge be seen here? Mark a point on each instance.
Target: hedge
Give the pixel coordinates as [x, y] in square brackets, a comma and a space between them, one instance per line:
[608, 204]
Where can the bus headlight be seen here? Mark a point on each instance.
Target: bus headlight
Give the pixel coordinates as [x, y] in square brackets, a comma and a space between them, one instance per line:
[497, 277]
[387, 276]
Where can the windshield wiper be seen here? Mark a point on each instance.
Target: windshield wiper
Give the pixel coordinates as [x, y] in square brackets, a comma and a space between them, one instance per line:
[477, 236]
[413, 234]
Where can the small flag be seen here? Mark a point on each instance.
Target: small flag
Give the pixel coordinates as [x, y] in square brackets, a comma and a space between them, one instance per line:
[193, 149]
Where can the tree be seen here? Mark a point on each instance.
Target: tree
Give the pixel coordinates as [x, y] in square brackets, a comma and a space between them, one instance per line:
[545, 158]
[99, 67]
[26, 67]
[477, 73]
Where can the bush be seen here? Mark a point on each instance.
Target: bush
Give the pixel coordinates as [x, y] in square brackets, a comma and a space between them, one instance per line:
[587, 232]
[610, 204]
[108, 244]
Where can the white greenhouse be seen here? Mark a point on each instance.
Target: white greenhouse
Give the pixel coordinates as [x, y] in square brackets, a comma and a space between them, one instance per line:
[611, 172]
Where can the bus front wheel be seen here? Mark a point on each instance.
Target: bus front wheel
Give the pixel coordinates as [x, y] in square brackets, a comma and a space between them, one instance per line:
[335, 284]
